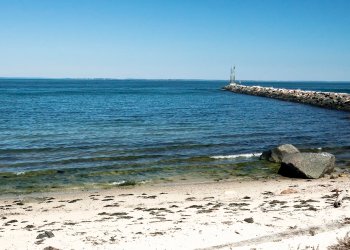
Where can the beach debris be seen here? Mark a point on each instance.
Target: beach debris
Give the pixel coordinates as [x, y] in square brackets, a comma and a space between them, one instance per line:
[342, 244]
[74, 201]
[59, 206]
[112, 205]
[50, 248]
[150, 197]
[235, 204]
[307, 165]
[47, 234]
[313, 231]
[38, 242]
[339, 200]
[333, 176]
[190, 199]
[195, 206]
[249, 220]
[69, 223]
[227, 222]
[208, 198]
[277, 154]
[202, 211]
[29, 226]
[274, 202]
[11, 221]
[289, 191]
[108, 199]
[156, 233]
[144, 196]
[267, 193]
[125, 195]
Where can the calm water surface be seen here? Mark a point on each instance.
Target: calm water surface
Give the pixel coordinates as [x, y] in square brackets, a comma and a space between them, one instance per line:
[83, 133]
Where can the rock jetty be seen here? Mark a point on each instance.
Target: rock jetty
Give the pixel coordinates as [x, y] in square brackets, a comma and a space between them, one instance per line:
[331, 100]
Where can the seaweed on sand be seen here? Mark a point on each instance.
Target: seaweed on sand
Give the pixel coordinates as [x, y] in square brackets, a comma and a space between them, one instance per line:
[343, 244]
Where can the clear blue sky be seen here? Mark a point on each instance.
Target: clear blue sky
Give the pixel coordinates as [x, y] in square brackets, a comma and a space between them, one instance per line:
[196, 39]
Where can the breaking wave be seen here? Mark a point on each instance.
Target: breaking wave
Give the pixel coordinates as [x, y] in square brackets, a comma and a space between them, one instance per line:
[248, 155]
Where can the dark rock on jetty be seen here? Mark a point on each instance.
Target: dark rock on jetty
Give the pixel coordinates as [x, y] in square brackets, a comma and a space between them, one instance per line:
[307, 165]
[277, 154]
[340, 101]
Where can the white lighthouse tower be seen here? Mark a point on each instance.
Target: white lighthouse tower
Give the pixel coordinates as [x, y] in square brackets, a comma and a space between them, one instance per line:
[233, 75]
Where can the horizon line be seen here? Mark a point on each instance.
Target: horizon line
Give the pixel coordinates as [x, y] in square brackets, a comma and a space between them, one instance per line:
[155, 79]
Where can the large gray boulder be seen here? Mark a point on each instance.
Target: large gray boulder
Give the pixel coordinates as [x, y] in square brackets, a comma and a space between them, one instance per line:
[307, 165]
[277, 154]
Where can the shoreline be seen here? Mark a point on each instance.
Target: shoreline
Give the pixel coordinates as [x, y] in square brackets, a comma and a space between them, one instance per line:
[330, 100]
[230, 171]
[179, 183]
[216, 215]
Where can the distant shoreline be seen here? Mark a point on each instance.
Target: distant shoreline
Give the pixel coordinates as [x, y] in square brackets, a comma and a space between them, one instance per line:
[164, 79]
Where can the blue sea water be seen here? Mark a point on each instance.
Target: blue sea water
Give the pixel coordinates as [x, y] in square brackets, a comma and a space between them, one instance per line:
[57, 133]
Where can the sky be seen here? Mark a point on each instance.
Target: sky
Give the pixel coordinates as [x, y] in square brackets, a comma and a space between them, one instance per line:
[176, 39]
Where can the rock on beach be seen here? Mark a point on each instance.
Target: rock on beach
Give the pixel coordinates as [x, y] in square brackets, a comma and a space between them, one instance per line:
[300, 165]
[277, 154]
[307, 165]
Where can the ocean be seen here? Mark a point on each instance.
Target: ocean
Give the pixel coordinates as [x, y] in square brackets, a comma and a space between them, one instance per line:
[67, 133]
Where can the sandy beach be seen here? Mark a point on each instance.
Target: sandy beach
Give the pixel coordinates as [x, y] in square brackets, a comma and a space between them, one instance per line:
[262, 214]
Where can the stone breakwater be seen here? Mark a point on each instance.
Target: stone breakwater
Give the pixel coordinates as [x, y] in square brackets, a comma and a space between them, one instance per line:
[340, 101]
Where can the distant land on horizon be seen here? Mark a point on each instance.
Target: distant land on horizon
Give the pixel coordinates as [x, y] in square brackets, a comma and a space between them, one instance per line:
[159, 79]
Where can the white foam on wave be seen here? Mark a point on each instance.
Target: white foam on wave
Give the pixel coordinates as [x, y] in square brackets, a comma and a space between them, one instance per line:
[20, 173]
[117, 183]
[248, 155]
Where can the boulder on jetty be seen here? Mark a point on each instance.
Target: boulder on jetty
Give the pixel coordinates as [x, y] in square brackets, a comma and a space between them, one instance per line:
[307, 165]
[277, 154]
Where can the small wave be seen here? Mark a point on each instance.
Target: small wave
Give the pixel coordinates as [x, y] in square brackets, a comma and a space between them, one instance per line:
[127, 183]
[20, 173]
[249, 155]
[117, 183]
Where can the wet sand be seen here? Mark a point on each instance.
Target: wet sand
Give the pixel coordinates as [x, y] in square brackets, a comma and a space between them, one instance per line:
[263, 214]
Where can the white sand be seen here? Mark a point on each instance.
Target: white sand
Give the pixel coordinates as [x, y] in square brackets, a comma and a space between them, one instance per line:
[185, 216]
